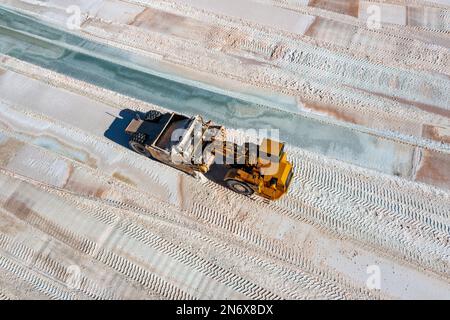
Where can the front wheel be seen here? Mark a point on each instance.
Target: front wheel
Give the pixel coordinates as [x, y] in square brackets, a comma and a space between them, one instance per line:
[239, 187]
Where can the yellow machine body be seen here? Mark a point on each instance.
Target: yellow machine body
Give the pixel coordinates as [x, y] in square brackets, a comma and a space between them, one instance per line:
[272, 174]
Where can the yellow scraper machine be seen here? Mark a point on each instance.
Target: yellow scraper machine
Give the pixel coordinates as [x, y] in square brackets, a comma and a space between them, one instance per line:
[192, 145]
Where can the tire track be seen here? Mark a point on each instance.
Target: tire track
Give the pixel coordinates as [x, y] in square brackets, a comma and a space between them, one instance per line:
[126, 267]
[52, 269]
[272, 247]
[314, 274]
[112, 260]
[22, 272]
[316, 66]
[374, 196]
[372, 191]
[305, 280]
[184, 256]
[322, 54]
[394, 38]
[304, 207]
[410, 242]
[259, 45]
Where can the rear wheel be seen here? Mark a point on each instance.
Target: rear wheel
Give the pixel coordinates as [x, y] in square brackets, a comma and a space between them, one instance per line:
[152, 115]
[239, 187]
[137, 143]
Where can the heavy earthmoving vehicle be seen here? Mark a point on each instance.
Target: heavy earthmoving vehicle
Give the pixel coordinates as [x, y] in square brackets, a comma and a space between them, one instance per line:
[193, 146]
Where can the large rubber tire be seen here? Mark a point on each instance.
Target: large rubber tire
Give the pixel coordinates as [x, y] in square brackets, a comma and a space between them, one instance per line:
[152, 115]
[137, 143]
[239, 187]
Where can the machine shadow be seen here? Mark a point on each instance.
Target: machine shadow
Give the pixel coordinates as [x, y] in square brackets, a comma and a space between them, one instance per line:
[116, 133]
